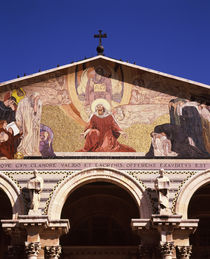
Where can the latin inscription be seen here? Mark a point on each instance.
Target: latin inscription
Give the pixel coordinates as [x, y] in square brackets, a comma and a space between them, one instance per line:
[20, 166]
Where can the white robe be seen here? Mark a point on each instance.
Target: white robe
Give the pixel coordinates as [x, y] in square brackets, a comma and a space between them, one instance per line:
[29, 123]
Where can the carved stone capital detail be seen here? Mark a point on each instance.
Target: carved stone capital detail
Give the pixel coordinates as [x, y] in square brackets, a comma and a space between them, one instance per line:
[184, 251]
[53, 251]
[32, 248]
[167, 248]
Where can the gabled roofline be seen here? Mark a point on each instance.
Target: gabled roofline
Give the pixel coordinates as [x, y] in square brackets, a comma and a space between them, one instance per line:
[105, 58]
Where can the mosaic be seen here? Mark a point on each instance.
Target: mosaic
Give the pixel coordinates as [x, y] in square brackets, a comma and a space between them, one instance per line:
[103, 108]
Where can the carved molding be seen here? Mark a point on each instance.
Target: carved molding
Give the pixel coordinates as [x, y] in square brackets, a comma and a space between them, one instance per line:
[12, 190]
[183, 251]
[188, 189]
[52, 251]
[167, 248]
[32, 248]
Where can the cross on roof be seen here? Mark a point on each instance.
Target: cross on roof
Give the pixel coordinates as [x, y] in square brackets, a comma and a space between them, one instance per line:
[100, 48]
[100, 36]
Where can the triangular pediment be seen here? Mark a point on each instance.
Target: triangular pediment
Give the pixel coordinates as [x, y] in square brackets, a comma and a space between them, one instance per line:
[62, 70]
[144, 108]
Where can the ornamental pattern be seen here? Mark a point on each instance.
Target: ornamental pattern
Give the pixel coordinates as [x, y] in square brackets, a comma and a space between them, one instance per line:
[184, 251]
[167, 248]
[32, 248]
[53, 251]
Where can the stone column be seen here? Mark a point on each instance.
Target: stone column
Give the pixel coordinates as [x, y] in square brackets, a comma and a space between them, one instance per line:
[32, 250]
[183, 252]
[52, 252]
[145, 251]
[167, 249]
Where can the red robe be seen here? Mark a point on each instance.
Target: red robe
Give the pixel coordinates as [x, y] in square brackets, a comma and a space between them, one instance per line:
[102, 136]
[9, 147]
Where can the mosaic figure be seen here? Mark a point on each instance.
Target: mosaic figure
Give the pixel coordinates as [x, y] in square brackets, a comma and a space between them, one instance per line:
[102, 131]
[28, 117]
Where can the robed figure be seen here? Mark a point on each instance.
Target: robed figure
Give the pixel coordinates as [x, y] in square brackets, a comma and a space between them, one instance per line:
[162, 186]
[35, 186]
[28, 118]
[98, 87]
[102, 131]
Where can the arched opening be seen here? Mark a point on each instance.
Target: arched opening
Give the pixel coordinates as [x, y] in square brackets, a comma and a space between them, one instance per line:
[122, 179]
[100, 216]
[5, 213]
[199, 208]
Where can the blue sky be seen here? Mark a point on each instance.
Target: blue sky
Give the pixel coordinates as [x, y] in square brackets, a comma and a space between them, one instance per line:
[170, 36]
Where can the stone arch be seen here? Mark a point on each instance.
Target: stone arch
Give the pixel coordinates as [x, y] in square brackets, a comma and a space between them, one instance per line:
[13, 193]
[187, 191]
[123, 180]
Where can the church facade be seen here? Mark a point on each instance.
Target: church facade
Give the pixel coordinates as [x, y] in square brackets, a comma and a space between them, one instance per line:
[104, 159]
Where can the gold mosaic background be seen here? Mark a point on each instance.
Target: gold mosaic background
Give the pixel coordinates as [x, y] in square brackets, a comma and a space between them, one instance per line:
[139, 134]
[67, 131]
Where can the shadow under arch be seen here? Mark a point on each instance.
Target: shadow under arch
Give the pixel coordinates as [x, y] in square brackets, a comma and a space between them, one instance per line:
[5, 213]
[187, 191]
[13, 193]
[121, 179]
[100, 214]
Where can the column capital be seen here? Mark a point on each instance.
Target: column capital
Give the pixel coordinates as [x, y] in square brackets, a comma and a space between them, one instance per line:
[184, 251]
[32, 248]
[53, 251]
[167, 248]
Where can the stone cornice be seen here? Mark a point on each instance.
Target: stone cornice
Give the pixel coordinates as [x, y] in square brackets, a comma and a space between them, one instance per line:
[168, 222]
[41, 222]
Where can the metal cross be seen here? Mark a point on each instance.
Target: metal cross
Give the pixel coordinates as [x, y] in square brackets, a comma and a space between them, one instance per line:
[100, 36]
